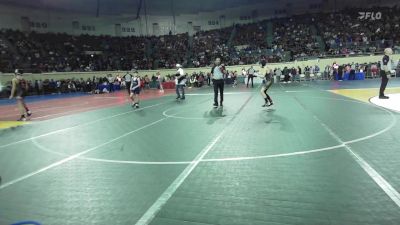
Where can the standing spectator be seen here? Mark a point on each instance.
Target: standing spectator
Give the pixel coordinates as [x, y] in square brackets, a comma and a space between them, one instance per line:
[352, 74]
[286, 73]
[316, 69]
[340, 72]
[278, 73]
[335, 70]
[293, 71]
[160, 81]
[146, 82]
[40, 87]
[208, 79]
[58, 85]
[327, 72]
[111, 82]
[46, 86]
[37, 87]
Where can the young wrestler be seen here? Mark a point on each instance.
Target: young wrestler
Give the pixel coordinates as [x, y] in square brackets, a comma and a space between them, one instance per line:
[135, 90]
[17, 91]
[267, 82]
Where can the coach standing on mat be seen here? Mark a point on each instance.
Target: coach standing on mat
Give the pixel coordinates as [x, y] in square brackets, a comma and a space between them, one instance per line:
[180, 81]
[217, 73]
[386, 67]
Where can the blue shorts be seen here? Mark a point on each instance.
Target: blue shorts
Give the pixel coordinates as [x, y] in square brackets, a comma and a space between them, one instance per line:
[136, 91]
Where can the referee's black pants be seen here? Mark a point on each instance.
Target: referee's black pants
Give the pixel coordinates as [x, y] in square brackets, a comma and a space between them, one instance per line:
[218, 86]
[383, 83]
[250, 77]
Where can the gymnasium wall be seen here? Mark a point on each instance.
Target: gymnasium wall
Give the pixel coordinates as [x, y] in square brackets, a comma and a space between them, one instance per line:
[62, 21]
[4, 78]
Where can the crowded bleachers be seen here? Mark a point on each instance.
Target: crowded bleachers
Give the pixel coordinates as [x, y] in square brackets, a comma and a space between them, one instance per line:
[295, 35]
[253, 35]
[342, 33]
[169, 50]
[209, 44]
[50, 52]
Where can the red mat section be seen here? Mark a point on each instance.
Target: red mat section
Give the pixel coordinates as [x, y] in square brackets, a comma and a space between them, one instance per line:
[47, 109]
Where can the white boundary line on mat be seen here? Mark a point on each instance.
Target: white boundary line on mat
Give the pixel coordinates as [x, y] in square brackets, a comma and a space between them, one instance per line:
[77, 155]
[388, 127]
[150, 213]
[79, 125]
[371, 172]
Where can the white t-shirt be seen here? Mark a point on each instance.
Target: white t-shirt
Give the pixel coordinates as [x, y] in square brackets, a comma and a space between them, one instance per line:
[181, 73]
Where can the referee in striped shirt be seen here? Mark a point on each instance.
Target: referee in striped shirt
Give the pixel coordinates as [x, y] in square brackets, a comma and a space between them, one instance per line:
[217, 74]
